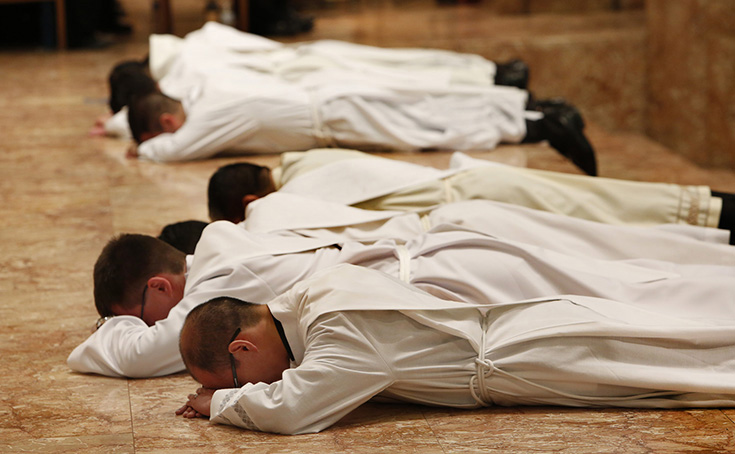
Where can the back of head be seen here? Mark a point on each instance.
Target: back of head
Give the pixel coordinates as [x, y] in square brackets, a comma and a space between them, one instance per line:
[127, 80]
[145, 113]
[131, 65]
[230, 183]
[125, 265]
[209, 329]
[183, 235]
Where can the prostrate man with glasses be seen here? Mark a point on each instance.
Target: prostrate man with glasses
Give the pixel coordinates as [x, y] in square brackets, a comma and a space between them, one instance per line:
[348, 334]
[140, 276]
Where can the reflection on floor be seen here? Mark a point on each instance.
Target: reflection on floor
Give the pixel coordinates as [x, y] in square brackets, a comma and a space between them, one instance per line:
[64, 195]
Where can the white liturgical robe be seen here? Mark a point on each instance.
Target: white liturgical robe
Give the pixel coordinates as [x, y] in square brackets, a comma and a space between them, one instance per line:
[216, 50]
[366, 181]
[357, 334]
[448, 262]
[244, 93]
[277, 117]
[225, 55]
[290, 214]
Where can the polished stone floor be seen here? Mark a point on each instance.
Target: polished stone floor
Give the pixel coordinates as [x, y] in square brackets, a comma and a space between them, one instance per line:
[64, 194]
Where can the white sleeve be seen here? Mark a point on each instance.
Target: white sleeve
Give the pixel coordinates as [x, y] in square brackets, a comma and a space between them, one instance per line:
[118, 126]
[187, 144]
[220, 126]
[340, 371]
[126, 347]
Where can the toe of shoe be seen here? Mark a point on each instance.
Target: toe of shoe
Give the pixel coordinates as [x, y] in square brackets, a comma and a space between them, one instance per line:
[566, 137]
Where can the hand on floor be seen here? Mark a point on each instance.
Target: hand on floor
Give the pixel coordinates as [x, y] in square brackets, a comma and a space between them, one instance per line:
[132, 151]
[197, 405]
[98, 129]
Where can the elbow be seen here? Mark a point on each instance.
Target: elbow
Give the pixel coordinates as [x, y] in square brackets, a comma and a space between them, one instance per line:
[88, 361]
[146, 368]
[294, 428]
[133, 370]
[74, 364]
[291, 430]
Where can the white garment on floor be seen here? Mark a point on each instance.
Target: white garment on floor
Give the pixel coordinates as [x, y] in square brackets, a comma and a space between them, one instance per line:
[226, 55]
[349, 177]
[215, 49]
[358, 334]
[324, 174]
[289, 214]
[278, 117]
[117, 125]
[448, 262]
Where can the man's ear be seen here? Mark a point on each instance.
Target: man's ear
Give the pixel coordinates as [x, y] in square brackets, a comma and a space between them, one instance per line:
[161, 284]
[169, 122]
[247, 199]
[242, 345]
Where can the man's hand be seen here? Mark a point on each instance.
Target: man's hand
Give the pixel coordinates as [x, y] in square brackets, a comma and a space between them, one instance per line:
[99, 126]
[132, 151]
[197, 405]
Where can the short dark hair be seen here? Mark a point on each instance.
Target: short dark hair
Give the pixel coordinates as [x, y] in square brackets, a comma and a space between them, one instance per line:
[125, 265]
[145, 112]
[129, 79]
[183, 235]
[208, 329]
[230, 183]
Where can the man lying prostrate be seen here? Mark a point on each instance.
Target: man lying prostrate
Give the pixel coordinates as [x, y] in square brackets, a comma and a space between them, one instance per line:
[219, 52]
[215, 50]
[349, 334]
[262, 97]
[147, 287]
[353, 178]
[280, 117]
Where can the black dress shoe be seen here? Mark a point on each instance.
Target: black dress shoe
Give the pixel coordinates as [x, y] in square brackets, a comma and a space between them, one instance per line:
[558, 104]
[513, 73]
[292, 23]
[562, 126]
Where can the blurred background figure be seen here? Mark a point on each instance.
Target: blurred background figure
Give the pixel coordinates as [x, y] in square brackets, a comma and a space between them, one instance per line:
[90, 24]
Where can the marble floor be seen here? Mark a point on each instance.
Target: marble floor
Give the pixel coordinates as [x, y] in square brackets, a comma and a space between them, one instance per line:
[64, 194]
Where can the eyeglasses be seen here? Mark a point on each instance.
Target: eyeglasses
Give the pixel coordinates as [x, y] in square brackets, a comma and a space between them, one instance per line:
[142, 301]
[101, 321]
[232, 360]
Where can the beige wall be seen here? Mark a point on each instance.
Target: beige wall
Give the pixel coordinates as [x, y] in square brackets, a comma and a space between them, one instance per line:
[562, 6]
[691, 78]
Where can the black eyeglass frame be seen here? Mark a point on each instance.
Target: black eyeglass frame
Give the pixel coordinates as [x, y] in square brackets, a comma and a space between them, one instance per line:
[142, 301]
[232, 360]
[101, 321]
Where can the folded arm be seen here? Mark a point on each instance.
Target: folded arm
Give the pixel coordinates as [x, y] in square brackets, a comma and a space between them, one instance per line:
[217, 129]
[126, 347]
[341, 371]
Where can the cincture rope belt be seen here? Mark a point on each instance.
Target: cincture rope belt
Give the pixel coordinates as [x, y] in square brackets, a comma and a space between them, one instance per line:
[425, 223]
[481, 391]
[321, 135]
[448, 197]
[404, 263]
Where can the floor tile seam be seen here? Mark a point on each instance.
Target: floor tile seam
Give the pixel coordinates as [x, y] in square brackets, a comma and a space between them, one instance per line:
[729, 418]
[130, 413]
[431, 428]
